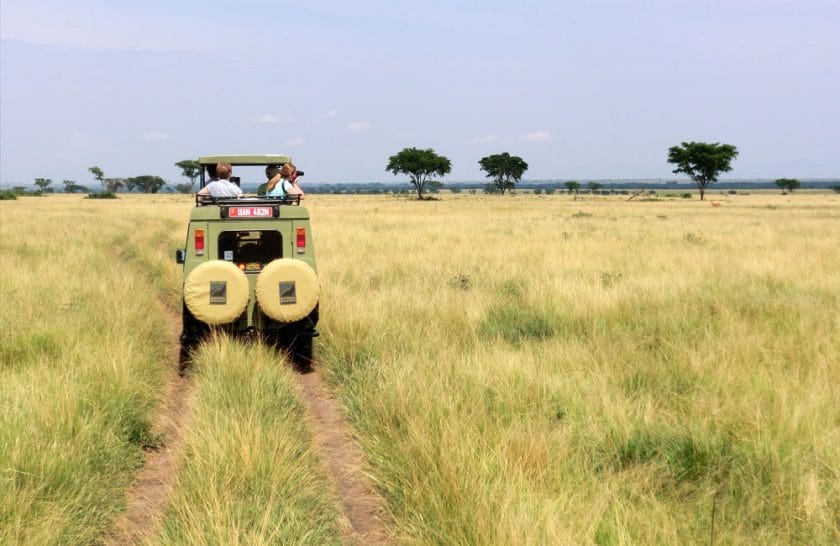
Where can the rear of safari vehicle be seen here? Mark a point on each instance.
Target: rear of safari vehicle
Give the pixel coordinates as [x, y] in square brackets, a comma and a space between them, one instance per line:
[249, 269]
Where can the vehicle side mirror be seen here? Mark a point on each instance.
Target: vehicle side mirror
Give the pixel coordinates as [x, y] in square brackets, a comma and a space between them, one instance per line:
[180, 255]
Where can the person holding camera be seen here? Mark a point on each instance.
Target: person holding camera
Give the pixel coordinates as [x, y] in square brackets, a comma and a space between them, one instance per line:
[222, 187]
[284, 183]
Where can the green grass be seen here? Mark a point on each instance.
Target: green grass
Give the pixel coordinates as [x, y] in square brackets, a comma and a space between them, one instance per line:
[535, 399]
[82, 359]
[573, 372]
[249, 475]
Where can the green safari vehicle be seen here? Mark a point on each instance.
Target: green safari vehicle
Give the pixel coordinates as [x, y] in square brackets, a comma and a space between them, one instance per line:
[249, 267]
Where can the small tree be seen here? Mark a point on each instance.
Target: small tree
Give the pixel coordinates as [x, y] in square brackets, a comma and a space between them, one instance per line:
[702, 162]
[419, 165]
[788, 184]
[506, 170]
[190, 169]
[70, 186]
[98, 175]
[572, 186]
[42, 183]
[836, 189]
[113, 184]
[595, 186]
[146, 183]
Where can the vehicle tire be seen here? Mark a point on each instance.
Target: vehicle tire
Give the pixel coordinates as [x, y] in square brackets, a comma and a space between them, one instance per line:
[287, 290]
[216, 292]
[300, 353]
[297, 348]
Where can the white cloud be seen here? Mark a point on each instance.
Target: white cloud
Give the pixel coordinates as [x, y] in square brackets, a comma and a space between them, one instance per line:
[155, 136]
[486, 139]
[536, 137]
[330, 113]
[294, 141]
[272, 119]
[358, 126]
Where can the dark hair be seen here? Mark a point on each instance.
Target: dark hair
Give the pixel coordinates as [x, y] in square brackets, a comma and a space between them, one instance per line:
[211, 171]
[271, 171]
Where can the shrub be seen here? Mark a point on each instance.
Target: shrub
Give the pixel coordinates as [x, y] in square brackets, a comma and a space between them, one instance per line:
[516, 323]
[102, 195]
[6, 195]
[686, 195]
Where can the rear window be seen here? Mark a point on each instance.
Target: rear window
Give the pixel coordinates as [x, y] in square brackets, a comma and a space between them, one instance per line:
[250, 250]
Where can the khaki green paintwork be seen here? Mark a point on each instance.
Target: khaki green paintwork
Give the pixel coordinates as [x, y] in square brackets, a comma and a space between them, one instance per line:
[209, 218]
[245, 159]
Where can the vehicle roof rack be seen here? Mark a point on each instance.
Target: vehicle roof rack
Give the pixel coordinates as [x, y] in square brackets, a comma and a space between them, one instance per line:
[206, 200]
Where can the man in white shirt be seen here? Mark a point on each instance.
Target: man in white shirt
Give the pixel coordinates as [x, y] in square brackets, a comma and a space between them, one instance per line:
[222, 187]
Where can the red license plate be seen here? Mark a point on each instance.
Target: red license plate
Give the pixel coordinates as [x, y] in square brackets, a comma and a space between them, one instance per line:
[250, 212]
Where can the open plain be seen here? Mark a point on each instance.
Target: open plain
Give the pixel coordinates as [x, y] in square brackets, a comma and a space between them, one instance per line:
[524, 369]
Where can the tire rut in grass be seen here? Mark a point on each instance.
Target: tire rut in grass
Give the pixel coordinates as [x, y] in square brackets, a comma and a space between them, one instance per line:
[148, 497]
[344, 463]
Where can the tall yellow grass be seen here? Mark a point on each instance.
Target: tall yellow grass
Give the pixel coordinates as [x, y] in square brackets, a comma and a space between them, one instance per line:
[84, 350]
[518, 370]
[83, 345]
[537, 370]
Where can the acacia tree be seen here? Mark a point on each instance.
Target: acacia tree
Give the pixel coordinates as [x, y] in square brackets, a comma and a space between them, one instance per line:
[190, 169]
[505, 170]
[788, 184]
[70, 186]
[573, 186]
[419, 165]
[113, 184]
[42, 183]
[702, 162]
[146, 183]
[595, 186]
[98, 175]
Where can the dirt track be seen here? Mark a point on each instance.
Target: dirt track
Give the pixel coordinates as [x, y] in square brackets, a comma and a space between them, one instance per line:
[147, 499]
[344, 462]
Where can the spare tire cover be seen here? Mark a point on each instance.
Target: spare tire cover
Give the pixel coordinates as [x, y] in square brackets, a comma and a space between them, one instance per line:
[287, 290]
[216, 292]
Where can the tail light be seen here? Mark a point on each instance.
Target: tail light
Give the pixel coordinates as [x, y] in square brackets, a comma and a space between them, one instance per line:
[301, 240]
[199, 242]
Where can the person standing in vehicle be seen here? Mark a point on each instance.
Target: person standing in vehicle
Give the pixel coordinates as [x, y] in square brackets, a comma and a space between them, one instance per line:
[222, 187]
[284, 183]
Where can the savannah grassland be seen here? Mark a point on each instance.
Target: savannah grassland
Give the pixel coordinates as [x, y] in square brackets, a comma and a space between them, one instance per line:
[517, 370]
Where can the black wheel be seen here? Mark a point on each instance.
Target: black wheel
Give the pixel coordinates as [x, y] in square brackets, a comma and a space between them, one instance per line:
[191, 334]
[184, 360]
[300, 352]
[297, 348]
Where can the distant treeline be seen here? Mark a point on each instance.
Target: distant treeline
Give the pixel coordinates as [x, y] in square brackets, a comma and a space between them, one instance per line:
[559, 185]
[480, 186]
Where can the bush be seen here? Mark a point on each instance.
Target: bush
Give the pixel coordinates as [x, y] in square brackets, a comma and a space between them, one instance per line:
[102, 195]
[6, 195]
[836, 189]
[538, 191]
[515, 323]
[549, 191]
[686, 195]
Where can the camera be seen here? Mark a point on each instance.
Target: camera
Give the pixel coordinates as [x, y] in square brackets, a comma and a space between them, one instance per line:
[299, 173]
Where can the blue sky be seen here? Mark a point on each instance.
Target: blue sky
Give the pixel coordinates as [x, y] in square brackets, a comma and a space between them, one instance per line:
[584, 90]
